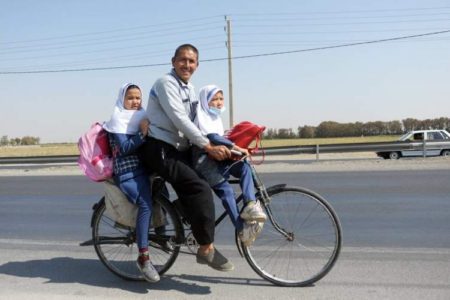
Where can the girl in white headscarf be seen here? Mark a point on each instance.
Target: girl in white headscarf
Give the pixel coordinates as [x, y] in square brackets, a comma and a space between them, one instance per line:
[249, 223]
[128, 112]
[127, 129]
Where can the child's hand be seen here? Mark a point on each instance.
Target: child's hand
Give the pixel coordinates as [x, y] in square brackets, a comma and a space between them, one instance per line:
[242, 150]
[143, 126]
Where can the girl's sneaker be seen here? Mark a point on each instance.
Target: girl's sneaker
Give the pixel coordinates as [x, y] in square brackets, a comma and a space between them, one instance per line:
[250, 232]
[148, 270]
[253, 212]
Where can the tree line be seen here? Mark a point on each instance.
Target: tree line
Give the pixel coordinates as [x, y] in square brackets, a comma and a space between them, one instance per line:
[323, 130]
[335, 129]
[26, 140]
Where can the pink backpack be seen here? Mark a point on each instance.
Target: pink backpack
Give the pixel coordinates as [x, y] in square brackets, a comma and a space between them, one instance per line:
[95, 155]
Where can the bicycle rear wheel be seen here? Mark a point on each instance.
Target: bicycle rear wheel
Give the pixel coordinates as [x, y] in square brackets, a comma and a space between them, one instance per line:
[300, 241]
[116, 246]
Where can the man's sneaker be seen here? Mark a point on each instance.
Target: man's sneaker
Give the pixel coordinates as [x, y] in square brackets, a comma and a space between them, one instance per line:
[253, 212]
[215, 260]
[148, 270]
[250, 232]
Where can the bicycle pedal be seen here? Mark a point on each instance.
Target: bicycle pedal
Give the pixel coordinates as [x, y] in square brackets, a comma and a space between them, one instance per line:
[192, 243]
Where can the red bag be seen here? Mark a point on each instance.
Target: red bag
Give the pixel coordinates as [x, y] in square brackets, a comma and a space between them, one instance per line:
[244, 133]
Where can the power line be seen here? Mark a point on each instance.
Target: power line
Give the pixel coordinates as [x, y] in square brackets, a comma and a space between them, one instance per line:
[235, 57]
[341, 12]
[291, 18]
[343, 45]
[345, 23]
[101, 50]
[192, 23]
[115, 59]
[112, 31]
[107, 39]
[290, 33]
[276, 43]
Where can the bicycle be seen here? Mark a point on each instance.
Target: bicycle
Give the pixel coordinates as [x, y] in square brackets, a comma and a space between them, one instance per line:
[299, 244]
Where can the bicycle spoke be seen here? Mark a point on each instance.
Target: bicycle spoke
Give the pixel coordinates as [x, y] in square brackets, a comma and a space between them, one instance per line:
[300, 241]
[115, 243]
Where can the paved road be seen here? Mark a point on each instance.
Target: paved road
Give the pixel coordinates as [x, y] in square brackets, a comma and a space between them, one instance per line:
[396, 235]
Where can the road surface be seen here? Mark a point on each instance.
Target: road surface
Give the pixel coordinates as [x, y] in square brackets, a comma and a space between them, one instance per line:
[396, 227]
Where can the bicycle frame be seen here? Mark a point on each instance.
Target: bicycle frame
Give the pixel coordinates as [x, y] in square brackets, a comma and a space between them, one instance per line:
[261, 194]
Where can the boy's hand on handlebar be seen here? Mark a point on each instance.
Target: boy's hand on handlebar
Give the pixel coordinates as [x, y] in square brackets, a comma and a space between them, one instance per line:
[218, 152]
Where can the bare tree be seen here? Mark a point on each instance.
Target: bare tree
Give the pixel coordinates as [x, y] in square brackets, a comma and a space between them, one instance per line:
[4, 141]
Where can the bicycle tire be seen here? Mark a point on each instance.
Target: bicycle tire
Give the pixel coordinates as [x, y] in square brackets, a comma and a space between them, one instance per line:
[116, 245]
[310, 250]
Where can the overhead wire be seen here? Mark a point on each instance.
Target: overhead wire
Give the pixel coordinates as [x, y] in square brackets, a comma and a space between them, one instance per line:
[247, 19]
[162, 53]
[343, 45]
[347, 23]
[102, 50]
[128, 29]
[96, 50]
[102, 41]
[344, 12]
[131, 31]
[235, 57]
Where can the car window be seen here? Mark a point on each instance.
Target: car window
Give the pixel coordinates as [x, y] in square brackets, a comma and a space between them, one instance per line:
[434, 136]
[418, 136]
[446, 137]
[406, 137]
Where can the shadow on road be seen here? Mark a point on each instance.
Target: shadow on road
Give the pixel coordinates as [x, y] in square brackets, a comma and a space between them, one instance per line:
[222, 280]
[92, 272]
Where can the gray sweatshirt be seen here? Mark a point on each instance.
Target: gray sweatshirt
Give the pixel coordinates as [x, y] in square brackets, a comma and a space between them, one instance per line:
[171, 108]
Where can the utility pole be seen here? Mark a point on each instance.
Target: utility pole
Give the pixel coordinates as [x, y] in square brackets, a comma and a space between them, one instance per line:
[230, 70]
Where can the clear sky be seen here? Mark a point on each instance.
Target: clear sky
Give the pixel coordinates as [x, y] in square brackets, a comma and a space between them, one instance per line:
[371, 82]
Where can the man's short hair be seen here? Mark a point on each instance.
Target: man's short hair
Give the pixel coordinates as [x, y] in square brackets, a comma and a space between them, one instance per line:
[183, 47]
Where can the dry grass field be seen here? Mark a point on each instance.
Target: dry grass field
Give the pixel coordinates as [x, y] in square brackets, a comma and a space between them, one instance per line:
[39, 150]
[71, 149]
[324, 141]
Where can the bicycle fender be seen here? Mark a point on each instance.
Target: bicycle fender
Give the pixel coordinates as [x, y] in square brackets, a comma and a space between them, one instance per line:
[276, 187]
[95, 207]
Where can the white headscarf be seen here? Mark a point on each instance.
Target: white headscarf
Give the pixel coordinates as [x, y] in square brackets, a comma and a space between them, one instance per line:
[124, 120]
[206, 121]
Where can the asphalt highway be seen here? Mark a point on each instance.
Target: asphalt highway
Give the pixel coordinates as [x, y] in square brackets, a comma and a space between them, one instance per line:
[396, 227]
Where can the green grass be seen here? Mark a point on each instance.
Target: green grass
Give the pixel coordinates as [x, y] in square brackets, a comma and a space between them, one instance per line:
[71, 149]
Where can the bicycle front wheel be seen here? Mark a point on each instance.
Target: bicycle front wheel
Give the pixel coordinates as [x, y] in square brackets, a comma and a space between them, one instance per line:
[300, 241]
[116, 246]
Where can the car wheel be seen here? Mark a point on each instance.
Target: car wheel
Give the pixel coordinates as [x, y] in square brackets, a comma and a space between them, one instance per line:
[380, 154]
[383, 155]
[394, 155]
[445, 153]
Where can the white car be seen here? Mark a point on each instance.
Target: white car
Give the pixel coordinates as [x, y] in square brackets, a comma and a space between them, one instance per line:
[439, 144]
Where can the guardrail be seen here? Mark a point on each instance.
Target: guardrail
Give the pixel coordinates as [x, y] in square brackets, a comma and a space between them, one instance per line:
[359, 147]
[288, 150]
[39, 159]
[335, 148]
